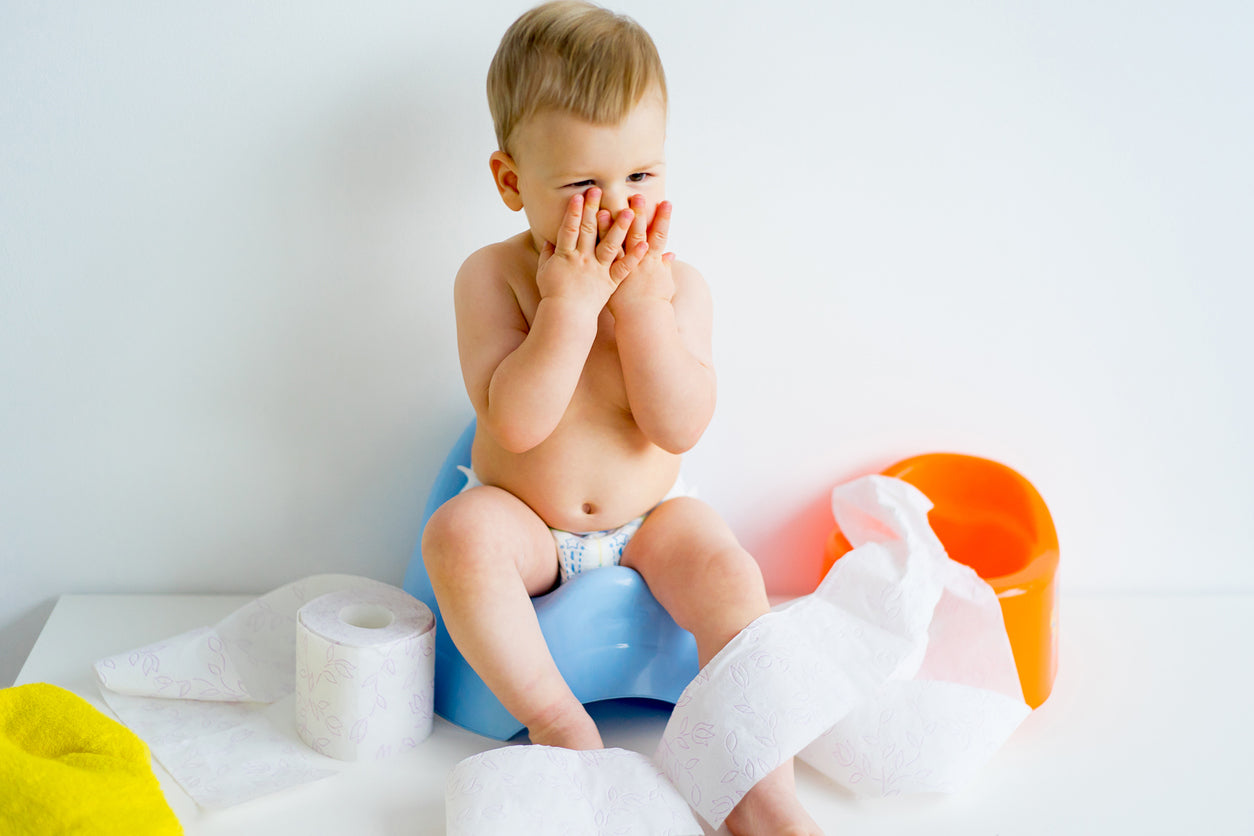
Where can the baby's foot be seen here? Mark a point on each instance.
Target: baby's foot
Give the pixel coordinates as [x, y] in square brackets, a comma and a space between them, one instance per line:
[569, 726]
[772, 807]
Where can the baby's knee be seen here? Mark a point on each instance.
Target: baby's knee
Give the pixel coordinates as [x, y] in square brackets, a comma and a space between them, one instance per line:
[439, 539]
[455, 535]
[470, 533]
[736, 566]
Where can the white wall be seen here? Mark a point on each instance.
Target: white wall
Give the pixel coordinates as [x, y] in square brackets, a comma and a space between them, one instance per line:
[228, 232]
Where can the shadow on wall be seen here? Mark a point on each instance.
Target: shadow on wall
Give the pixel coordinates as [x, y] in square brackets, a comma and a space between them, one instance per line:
[347, 385]
[791, 552]
[19, 637]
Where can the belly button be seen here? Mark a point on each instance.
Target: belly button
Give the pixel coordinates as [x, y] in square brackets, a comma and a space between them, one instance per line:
[588, 509]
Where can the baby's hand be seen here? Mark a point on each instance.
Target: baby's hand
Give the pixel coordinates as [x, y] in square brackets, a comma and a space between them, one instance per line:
[577, 267]
[651, 278]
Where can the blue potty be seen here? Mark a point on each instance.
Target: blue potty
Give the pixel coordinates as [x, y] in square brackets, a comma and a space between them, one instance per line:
[608, 635]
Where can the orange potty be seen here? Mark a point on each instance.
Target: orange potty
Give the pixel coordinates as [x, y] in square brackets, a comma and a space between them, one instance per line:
[992, 519]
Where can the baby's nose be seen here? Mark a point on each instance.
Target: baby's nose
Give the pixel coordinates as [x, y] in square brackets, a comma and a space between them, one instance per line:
[616, 200]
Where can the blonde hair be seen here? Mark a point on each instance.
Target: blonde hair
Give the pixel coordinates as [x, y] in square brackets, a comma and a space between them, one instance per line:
[573, 57]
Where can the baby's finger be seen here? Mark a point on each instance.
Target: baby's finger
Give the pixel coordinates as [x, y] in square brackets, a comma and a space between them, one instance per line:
[546, 252]
[661, 228]
[622, 268]
[611, 246]
[568, 232]
[639, 232]
[604, 219]
[588, 229]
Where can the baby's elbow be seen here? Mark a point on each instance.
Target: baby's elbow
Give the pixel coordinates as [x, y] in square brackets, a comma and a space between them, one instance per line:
[678, 438]
[679, 431]
[518, 445]
[683, 442]
[513, 436]
[676, 448]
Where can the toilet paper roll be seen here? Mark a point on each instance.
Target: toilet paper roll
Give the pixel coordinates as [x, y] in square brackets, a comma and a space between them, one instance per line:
[215, 704]
[365, 672]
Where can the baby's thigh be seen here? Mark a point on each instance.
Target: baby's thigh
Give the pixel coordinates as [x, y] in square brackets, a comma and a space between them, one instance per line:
[683, 539]
[486, 529]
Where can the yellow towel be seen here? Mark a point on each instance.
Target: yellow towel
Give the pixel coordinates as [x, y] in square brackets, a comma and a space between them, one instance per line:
[67, 768]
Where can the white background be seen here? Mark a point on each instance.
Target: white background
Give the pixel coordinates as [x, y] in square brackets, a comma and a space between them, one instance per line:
[228, 233]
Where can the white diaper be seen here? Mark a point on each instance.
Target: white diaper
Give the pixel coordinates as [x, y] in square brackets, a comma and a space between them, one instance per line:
[594, 549]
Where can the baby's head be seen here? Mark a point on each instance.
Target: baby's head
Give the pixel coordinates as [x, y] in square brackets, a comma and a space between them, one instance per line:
[575, 58]
[578, 92]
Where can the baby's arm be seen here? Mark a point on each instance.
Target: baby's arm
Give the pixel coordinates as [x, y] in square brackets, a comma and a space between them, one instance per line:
[663, 323]
[521, 377]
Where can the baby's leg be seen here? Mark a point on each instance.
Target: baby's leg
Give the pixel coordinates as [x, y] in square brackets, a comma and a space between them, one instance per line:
[486, 553]
[713, 588]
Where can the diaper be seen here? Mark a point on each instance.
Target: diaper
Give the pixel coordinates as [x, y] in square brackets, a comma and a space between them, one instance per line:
[578, 553]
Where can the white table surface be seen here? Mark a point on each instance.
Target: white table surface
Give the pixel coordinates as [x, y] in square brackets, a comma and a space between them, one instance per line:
[1148, 731]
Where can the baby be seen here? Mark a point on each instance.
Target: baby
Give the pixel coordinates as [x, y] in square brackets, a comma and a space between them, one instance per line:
[586, 351]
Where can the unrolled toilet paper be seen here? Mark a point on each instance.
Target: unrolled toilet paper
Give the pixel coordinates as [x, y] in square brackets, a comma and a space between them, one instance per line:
[544, 790]
[215, 704]
[365, 665]
[895, 676]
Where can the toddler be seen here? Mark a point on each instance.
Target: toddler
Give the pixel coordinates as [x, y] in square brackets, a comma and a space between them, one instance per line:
[586, 351]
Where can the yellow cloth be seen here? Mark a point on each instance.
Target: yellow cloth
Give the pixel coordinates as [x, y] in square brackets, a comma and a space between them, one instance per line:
[66, 768]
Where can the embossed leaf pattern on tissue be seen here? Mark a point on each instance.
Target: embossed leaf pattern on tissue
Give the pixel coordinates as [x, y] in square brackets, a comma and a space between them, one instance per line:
[140, 671]
[340, 701]
[895, 675]
[532, 790]
[218, 741]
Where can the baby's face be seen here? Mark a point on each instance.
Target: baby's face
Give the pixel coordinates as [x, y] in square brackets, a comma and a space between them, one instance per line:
[557, 155]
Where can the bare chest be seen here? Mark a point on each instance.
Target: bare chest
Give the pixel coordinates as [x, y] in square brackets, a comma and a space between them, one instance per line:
[602, 378]
[601, 384]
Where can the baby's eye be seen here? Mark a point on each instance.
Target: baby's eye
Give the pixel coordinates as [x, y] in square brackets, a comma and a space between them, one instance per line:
[638, 177]
[582, 184]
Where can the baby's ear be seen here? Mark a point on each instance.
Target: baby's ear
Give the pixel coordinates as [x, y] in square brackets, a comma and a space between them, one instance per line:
[505, 175]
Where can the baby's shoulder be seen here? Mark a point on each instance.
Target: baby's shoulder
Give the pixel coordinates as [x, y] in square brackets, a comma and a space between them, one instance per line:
[683, 271]
[501, 263]
[495, 281]
[688, 280]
